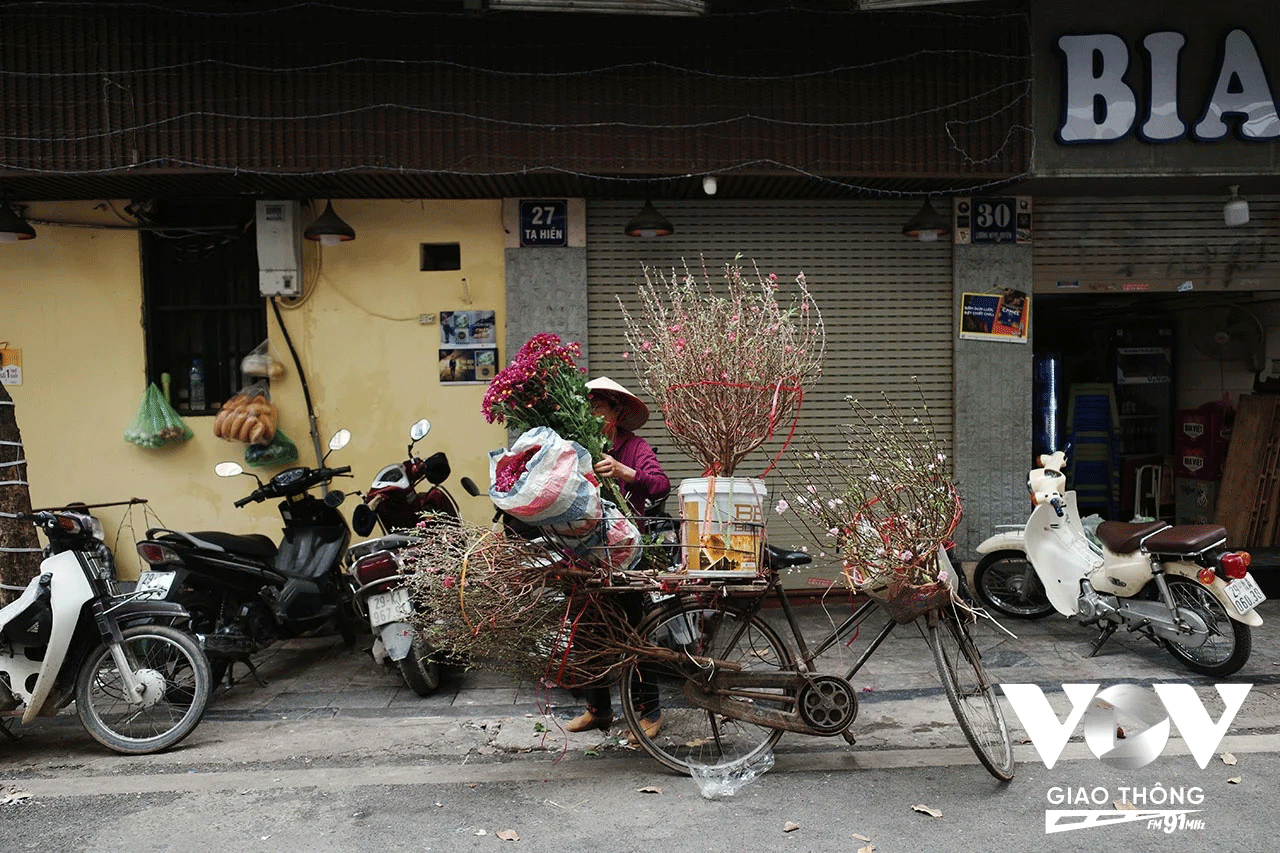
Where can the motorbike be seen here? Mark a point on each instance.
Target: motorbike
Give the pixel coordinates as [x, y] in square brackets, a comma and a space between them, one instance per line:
[1177, 585]
[375, 568]
[140, 685]
[245, 592]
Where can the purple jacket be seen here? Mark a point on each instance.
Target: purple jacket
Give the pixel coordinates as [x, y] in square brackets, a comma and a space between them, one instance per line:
[651, 482]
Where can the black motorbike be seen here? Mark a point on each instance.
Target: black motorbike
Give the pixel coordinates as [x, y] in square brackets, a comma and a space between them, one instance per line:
[245, 592]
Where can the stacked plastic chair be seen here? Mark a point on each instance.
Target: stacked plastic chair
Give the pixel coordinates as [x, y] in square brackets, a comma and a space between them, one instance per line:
[1094, 459]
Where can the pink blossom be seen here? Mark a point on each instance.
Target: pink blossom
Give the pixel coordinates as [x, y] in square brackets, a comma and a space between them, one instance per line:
[646, 345]
[626, 355]
[674, 328]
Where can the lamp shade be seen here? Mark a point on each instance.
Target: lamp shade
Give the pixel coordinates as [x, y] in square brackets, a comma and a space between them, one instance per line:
[329, 229]
[927, 225]
[13, 227]
[649, 223]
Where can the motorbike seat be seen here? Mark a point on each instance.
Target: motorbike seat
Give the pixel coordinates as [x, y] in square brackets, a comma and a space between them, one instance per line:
[1186, 539]
[253, 545]
[1125, 537]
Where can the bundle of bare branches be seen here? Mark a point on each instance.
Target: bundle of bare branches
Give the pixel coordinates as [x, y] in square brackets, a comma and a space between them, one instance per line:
[516, 606]
[885, 501]
[727, 364]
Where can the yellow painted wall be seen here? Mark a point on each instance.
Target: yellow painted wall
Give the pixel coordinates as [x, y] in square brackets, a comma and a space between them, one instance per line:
[71, 301]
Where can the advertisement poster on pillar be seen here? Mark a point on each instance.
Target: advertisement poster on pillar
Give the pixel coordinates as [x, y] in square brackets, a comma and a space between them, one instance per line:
[1001, 317]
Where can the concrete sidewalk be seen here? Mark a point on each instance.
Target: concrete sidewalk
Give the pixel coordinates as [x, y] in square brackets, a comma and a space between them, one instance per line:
[902, 704]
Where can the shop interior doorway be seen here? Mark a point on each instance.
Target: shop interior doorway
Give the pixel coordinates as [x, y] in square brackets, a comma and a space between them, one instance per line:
[1140, 390]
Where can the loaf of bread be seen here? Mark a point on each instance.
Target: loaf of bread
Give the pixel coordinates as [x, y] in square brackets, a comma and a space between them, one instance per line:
[248, 419]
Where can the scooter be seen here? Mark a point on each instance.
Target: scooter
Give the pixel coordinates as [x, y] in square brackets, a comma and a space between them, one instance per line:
[1178, 586]
[139, 684]
[243, 591]
[375, 569]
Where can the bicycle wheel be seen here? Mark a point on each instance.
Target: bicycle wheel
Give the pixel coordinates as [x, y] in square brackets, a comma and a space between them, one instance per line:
[971, 695]
[695, 736]
[175, 676]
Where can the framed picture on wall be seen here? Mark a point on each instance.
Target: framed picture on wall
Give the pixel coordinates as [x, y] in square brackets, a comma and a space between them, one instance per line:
[467, 328]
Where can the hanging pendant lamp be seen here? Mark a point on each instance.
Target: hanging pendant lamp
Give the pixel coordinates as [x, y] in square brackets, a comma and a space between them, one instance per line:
[329, 229]
[649, 223]
[13, 227]
[927, 225]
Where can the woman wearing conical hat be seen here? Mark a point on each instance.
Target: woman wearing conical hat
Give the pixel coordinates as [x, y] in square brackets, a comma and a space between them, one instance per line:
[632, 462]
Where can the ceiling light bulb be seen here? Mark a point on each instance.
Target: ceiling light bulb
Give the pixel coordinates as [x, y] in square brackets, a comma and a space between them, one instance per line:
[709, 185]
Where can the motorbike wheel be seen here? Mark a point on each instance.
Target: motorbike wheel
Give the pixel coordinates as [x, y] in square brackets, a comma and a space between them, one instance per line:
[420, 671]
[1229, 642]
[1006, 582]
[173, 670]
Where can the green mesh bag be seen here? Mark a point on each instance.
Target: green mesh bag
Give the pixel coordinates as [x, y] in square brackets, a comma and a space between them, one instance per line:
[156, 423]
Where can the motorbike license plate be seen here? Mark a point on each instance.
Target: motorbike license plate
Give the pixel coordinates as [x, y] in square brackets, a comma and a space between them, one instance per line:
[389, 607]
[154, 584]
[1245, 593]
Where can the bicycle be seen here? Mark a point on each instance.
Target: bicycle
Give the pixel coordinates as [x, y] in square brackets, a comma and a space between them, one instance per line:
[729, 685]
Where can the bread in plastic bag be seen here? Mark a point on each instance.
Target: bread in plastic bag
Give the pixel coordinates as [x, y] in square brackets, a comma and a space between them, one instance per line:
[260, 363]
[280, 451]
[156, 423]
[249, 416]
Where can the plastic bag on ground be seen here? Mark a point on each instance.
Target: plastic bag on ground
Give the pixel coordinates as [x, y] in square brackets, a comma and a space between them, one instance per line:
[716, 781]
[156, 422]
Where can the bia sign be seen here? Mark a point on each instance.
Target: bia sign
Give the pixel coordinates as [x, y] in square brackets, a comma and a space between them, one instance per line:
[1144, 717]
[1099, 106]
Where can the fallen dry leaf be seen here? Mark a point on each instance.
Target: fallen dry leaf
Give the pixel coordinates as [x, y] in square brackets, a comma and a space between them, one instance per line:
[1234, 780]
[1124, 804]
[926, 810]
[1228, 758]
[650, 789]
[867, 848]
[790, 827]
[509, 835]
[860, 837]
[1119, 732]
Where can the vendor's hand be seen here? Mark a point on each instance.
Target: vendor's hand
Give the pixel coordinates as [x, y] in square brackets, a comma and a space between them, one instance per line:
[610, 467]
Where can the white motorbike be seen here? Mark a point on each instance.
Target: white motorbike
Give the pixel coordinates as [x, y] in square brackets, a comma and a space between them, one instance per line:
[1177, 585]
[139, 684]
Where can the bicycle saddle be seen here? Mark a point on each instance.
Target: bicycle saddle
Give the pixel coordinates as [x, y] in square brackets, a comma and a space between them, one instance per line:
[777, 558]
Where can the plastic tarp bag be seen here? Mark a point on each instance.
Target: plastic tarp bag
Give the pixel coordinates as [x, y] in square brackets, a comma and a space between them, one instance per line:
[279, 451]
[613, 543]
[544, 479]
[717, 781]
[249, 416]
[156, 423]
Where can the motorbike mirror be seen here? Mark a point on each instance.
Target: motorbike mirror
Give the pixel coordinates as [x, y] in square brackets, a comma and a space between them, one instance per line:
[419, 431]
[363, 520]
[340, 439]
[470, 487]
[228, 469]
[334, 498]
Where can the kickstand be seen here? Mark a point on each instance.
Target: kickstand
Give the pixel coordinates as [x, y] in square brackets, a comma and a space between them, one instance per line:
[1102, 638]
[847, 734]
[253, 670]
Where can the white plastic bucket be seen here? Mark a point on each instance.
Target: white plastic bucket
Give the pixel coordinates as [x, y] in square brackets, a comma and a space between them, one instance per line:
[722, 524]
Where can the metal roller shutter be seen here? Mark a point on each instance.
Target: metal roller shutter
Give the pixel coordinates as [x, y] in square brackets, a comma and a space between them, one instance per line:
[1158, 243]
[886, 302]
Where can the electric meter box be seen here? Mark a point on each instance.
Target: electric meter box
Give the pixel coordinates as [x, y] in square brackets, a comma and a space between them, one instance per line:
[279, 248]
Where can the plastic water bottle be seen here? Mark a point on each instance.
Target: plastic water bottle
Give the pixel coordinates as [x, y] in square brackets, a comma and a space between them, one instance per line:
[195, 397]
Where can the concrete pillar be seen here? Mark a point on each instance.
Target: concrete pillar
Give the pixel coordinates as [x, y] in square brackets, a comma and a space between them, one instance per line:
[993, 400]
